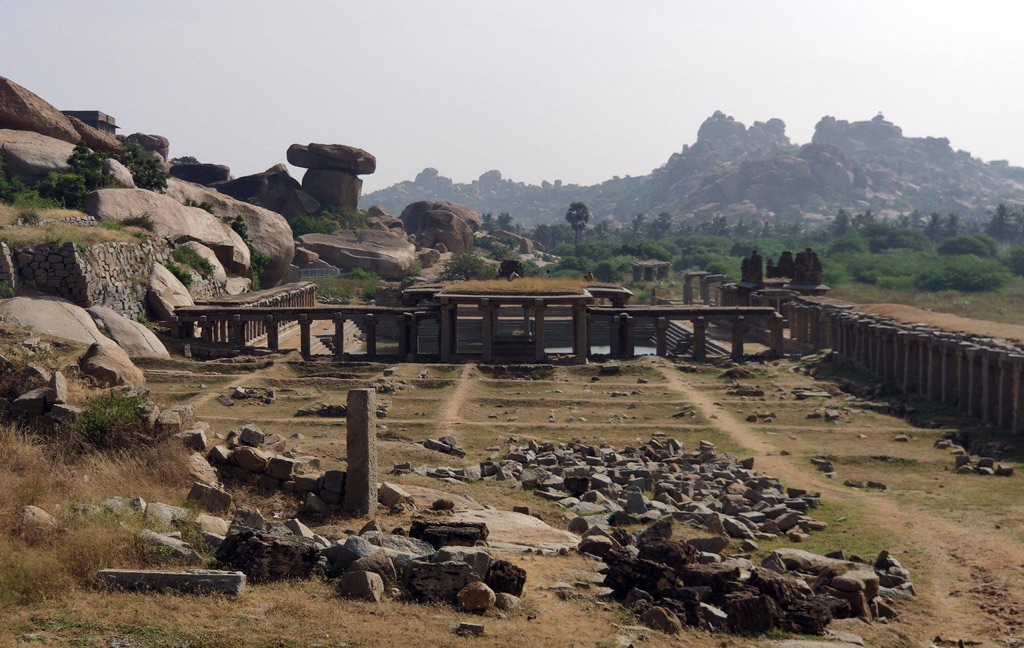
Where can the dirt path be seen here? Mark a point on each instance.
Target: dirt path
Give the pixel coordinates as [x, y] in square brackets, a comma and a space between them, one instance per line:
[972, 585]
[451, 411]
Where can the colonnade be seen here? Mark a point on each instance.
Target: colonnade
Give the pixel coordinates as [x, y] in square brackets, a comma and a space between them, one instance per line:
[981, 377]
[236, 331]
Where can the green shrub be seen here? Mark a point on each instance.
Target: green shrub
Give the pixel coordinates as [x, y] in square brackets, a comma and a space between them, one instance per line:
[979, 245]
[67, 190]
[112, 225]
[112, 421]
[92, 166]
[147, 171]
[183, 275]
[466, 266]
[330, 221]
[188, 256]
[1015, 260]
[205, 206]
[964, 273]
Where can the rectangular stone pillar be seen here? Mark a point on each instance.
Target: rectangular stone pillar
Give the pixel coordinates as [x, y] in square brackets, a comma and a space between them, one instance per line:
[976, 392]
[444, 344]
[487, 314]
[775, 336]
[414, 337]
[339, 336]
[305, 341]
[628, 336]
[1016, 368]
[538, 331]
[950, 372]
[935, 352]
[273, 334]
[237, 331]
[660, 337]
[963, 390]
[687, 289]
[371, 337]
[989, 386]
[615, 337]
[361, 449]
[581, 340]
[1005, 408]
[739, 327]
[700, 340]
[909, 342]
[814, 328]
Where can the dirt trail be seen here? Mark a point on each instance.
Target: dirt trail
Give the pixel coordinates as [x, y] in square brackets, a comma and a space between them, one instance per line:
[973, 587]
[451, 411]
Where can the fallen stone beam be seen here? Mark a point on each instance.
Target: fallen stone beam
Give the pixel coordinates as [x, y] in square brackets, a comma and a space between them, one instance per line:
[204, 581]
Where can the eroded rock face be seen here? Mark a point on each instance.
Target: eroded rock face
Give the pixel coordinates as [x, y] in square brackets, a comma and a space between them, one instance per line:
[166, 293]
[269, 232]
[94, 138]
[273, 189]
[387, 254]
[203, 174]
[110, 366]
[331, 187]
[21, 109]
[30, 156]
[136, 340]
[157, 144]
[53, 316]
[171, 219]
[264, 557]
[422, 226]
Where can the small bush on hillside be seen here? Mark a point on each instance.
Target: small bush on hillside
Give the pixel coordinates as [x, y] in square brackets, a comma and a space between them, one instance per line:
[466, 266]
[183, 275]
[979, 245]
[205, 206]
[147, 171]
[1015, 260]
[188, 256]
[330, 221]
[112, 421]
[964, 273]
[67, 190]
[92, 166]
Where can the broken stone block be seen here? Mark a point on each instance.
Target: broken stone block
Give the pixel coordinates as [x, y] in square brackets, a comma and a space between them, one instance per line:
[210, 498]
[199, 581]
[363, 585]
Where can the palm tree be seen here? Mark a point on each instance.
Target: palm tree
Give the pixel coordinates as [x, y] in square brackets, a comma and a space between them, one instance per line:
[577, 217]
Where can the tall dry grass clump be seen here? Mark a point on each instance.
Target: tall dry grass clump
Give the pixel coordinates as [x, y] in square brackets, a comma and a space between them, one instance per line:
[38, 564]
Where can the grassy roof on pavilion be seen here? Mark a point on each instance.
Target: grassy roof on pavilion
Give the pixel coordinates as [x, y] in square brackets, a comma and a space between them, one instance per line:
[523, 286]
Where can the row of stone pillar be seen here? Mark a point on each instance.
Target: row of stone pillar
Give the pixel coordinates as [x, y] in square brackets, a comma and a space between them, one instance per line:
[983, 382]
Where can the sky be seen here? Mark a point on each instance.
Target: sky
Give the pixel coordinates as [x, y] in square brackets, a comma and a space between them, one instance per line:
[577, 90]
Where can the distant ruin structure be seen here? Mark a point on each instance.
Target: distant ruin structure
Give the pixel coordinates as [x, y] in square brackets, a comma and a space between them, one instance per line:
[100, 121]
[778, 283]
[650, 270]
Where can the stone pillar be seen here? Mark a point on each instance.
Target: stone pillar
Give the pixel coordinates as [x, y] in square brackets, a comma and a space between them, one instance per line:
[687, 289]
[615, 337]
[1005, 410]
[700, 339]
[660, 337]
[1016, 367]
[237, 331]
[814, 326]
[538, 330]
[775, 336]
[305, 342]
[936, 349]
[414, 337]
[950, 372]
[628, 336]
[989, 385]
[444, 344]
[976, 393]
[874, 339]
[581, 341]
[339, 336]
[188, 330]
[205, 329]
[705, 295]
[739, 327]
[403, 336]
[963, 390]
[371, 337]
[361, 449]
[909, 342]
[273, 333]
[487, 314]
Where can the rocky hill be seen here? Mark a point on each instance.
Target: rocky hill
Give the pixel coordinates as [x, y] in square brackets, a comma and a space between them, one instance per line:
[743, 172]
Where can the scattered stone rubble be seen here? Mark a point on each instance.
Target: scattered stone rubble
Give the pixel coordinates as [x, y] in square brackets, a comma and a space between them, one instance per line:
[981, 459]
[703, 488]
[669, 584]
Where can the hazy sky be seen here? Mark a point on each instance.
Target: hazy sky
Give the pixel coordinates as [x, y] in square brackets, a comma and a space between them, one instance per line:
[540, 89]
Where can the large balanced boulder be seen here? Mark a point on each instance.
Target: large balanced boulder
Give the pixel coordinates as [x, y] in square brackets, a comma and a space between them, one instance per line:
[435, 222]
[30, 156]
[203, 174]
[166, 293]
[388, 254]
[53, 316]
[333, 188]
[268, 231]
[136, 340]
[332, 156]
[171, 219]
[21, 109]
[110, 366]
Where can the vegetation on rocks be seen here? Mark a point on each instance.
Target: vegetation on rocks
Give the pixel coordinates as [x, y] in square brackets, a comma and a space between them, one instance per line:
[465, 266]
[181, 274]
[188, 256]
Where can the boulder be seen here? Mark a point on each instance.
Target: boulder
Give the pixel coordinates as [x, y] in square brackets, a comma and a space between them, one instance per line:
[390, 495]
[21, 109]
[363, 585]
[333, 188]
[53, 316]
[268, 231]
[162, 549]
[518, 243]
[203, 174]
[34, 518]
[661, 619]
[31, 403]
[505, 577]
[440, 227]
[437, 582]
[387, 254]
[265, 557]
[157, 144]
[136, 340]
[219, 274]
[273, 189]
[380, 563]
[110, 366]
[120, 173]
[476, 597]
[94, 138]
[166, 293]
[478, 558]
[211, 498]
[332, 156]
[30, 156]
[171, 219]
[412, 213]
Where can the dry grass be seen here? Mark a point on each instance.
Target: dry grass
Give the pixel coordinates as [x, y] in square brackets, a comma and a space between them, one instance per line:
[524, 286]
[1005, 306]
[62, 233]
[9, 214]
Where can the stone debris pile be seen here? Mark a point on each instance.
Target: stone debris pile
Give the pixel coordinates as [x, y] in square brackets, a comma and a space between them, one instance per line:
[718, 492]
[667, 585]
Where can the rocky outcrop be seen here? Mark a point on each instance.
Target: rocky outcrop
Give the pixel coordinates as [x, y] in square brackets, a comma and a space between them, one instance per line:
[30, 156]
[520, 244]
[333, 170]
[388, 254]
[166, 293]
[268, 231]
[438, 222]
[168, 218]
[110, 366]
[157, 144]
[219, 275]
[273, 189]
[203, 174]
[52, 316]
[136, 340]
[23, 110]
[95, 139]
